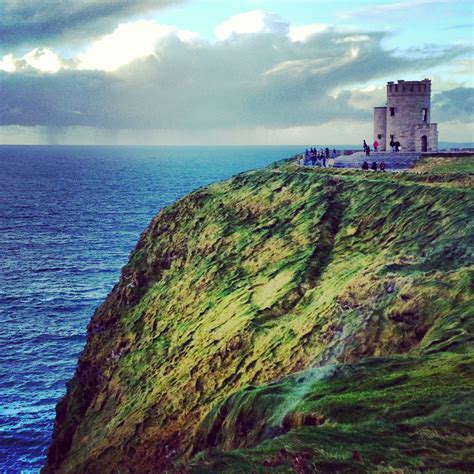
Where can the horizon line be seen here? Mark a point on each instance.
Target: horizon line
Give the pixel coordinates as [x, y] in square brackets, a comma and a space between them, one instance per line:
[202, 146]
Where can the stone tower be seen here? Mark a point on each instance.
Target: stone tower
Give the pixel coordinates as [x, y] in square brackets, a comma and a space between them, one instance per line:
[406, 117]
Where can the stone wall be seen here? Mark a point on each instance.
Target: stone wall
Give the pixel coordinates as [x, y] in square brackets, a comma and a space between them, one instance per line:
[430, 131]
[380, 127]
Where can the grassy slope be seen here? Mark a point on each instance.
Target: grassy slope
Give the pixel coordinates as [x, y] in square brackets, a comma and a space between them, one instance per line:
[440, 165]
[381, 415]
[267, 274]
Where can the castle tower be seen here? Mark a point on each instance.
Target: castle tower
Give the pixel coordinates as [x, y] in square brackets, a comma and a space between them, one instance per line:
[406, 117]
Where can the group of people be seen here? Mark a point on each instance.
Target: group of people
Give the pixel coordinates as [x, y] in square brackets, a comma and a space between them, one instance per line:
[374, 166]
[324, 158]
[394, 145]
[376, 145]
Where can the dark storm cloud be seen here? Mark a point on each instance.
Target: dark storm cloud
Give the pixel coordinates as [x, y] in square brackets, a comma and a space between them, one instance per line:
[37, 21]
[251, 80]
[455, 104]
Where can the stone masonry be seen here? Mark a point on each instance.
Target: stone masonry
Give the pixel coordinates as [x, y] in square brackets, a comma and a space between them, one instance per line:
[406, 117]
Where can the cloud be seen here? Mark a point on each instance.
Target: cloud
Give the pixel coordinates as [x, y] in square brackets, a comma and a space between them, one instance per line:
[260, 77]
[395, 9]
[257, 21]
[305, 32]
[462, 26]
[368, 97]
[466, 67]
[38, 59]
[454, 105]
[39, 21]
[129, 42]
[354, 39]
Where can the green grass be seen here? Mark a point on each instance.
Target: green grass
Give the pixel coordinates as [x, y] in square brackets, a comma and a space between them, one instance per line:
[395, 412]
[271, 273]
[442, 165]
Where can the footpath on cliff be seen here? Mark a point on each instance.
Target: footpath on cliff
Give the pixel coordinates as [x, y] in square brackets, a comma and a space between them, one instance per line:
[394, 161]
[289, 319]
[398, 161]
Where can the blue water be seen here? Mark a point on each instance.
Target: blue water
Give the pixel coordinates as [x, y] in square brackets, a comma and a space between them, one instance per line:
[69, 218]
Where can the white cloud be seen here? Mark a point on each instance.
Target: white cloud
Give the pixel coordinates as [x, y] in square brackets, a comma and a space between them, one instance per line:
[314, 67]
[44, 60]
[306, 32]
[128, 42]
[8, 63]
[39, 59]
[353, 39]
[256, 21]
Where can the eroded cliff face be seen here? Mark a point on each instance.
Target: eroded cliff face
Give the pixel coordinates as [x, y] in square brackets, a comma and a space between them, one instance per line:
[247, 281]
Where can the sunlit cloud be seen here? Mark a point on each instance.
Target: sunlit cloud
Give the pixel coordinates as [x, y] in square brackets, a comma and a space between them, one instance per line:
[8, 63]
[39, 59]
[44, 60]
[257, 21]
[305, 32]
[129, 42]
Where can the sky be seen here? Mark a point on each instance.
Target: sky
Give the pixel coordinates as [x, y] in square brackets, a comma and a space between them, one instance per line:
[226, 72]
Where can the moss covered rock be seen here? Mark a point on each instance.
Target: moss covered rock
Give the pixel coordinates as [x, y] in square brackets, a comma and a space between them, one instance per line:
[359, 285]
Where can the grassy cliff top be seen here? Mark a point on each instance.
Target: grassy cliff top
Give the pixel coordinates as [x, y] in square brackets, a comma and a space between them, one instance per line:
[285, 319]
[446, 165]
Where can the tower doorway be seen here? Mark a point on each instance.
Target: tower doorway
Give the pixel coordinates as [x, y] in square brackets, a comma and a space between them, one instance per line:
[424, 143]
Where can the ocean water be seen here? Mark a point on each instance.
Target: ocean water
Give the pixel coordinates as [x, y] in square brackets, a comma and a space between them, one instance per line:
[69, 218]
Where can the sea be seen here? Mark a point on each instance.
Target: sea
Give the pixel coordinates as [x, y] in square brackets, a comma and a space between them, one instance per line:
[69, 218]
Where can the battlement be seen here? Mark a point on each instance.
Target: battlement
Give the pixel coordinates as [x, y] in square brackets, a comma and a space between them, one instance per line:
[402, 87]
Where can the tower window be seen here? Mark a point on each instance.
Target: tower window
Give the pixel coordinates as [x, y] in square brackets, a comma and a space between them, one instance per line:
[392, 111]
[424, 115]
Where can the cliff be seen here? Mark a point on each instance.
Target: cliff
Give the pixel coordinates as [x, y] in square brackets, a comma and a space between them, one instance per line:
[287, 319]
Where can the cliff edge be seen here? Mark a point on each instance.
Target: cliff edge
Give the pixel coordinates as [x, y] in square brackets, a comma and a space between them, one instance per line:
[288, 319]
